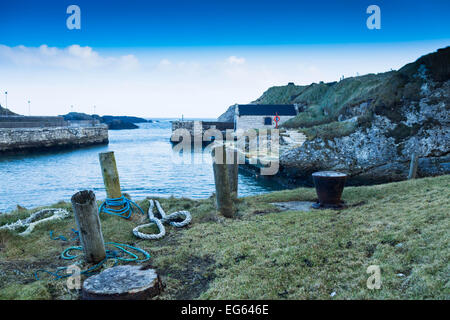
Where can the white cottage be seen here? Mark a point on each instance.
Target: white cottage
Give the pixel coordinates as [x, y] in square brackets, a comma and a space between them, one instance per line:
[258, 116]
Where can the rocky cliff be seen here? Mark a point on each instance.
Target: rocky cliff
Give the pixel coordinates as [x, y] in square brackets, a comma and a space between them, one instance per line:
[369, 126]
[228, 116]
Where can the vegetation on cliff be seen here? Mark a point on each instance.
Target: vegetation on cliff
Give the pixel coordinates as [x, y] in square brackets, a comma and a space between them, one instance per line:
[325, 103]
[267, 254]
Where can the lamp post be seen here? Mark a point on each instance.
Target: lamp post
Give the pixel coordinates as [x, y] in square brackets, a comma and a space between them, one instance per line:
[6, 103]
[29, 108]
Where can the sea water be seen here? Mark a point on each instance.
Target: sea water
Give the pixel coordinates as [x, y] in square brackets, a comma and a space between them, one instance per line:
[146, 163]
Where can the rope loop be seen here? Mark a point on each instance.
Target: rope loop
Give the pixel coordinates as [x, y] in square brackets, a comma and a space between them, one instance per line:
[124, 212]
[159, 222]
[36, 218]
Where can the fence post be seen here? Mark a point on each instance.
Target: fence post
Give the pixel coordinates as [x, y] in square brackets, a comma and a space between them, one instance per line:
[224, 198]
[86, 215]
[110, 175]
[413, 166]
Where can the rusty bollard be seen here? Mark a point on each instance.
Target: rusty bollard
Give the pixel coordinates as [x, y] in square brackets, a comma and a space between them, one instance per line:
[329, 186]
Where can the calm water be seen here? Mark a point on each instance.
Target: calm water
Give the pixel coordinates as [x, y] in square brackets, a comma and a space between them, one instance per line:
[146, 162]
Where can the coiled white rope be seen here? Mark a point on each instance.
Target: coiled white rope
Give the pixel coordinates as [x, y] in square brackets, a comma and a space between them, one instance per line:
[159, 223]
[31, 222]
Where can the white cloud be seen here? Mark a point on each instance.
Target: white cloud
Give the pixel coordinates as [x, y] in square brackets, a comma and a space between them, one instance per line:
[165, 62]
[74, 57]
[165, 82]
[233, 60]
[128, 62]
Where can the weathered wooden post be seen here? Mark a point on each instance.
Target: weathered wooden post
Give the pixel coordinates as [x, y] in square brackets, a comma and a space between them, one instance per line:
[233, 168]
[413, 166]
[224, 198]
[85, 210]
[110, 175]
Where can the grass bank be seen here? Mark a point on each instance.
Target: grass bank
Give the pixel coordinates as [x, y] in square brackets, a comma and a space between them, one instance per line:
[266, 254]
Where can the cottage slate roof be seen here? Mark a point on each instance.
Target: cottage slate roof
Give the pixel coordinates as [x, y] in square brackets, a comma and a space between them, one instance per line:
[266, 109]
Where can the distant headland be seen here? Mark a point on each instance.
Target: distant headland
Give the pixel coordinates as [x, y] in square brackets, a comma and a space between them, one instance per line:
[24, 134]
[113, 122]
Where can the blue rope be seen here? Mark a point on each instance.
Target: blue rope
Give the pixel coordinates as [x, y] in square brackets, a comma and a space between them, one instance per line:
[76, 236]
[57, 238]
[110, 254]
[124, 212]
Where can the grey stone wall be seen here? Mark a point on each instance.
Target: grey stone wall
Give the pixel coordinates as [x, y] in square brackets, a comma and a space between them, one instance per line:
[199, 127]
[31, 122]
[188, 125]
[257, 122]
[36, 139]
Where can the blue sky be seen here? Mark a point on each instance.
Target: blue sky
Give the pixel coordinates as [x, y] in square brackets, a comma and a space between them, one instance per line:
[132, 23]
[171, 57]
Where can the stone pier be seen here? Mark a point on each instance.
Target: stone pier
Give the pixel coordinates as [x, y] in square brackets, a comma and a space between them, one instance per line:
[198, 128]
[22, 140]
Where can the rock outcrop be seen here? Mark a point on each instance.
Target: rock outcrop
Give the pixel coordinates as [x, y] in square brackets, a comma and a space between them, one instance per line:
[369, 126]
[120, 125]
[113, 122]
[228, 116]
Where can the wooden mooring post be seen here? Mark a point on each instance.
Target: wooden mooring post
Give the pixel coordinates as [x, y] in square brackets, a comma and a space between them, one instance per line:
[233, 170]
[413, 166]
[85, 210]
[110, 175]
[224, 179]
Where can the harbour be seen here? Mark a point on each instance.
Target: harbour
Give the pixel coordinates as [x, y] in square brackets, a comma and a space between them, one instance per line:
[147, 163]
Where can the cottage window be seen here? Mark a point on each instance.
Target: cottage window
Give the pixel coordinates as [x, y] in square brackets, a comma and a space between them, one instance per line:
[268, 121]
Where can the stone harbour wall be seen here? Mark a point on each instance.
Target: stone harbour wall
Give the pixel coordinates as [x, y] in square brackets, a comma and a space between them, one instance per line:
[199, 127]
[18, 140]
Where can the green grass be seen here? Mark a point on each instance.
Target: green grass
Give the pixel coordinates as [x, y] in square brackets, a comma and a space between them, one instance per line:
[322, 103]
[267, 254]
[330, 130]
